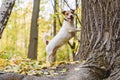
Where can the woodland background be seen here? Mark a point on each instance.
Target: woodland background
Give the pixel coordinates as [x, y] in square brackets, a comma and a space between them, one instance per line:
[15, 39]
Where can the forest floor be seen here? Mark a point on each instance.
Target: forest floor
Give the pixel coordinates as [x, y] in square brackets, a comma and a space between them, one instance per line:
[60, 72]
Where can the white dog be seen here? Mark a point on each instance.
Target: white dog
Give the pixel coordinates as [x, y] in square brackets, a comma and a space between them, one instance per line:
[64, 35]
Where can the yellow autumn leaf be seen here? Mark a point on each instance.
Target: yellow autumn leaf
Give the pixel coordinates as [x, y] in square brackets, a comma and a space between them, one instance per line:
[3, 63]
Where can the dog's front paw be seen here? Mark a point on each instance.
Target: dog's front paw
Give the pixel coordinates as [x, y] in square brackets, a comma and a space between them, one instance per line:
[71, 31]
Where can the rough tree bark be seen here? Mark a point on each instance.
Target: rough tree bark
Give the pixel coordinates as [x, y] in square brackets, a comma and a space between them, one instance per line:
[5, 12]
[100, 40]
[32, 52]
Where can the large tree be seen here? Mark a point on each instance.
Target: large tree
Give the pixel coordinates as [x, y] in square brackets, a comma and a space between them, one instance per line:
[100, 40]
[32, 52]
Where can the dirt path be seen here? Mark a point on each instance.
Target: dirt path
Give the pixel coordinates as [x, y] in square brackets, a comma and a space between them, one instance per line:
[52, 73]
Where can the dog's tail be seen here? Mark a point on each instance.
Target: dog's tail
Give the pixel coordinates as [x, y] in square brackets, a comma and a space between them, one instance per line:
[45, 36]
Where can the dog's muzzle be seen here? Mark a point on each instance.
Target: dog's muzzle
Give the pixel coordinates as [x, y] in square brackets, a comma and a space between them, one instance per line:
[71, 17]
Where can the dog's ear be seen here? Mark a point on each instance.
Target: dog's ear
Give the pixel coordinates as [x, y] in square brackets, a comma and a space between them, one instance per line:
[63, 12]
[73, 10]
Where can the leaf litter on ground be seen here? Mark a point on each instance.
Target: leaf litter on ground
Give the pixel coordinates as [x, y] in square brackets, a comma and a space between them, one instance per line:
[34, 67]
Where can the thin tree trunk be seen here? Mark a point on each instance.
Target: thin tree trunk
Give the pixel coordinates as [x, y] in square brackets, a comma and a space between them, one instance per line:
[5, 12]
[32, 52]
[54, 23]
[74, 44]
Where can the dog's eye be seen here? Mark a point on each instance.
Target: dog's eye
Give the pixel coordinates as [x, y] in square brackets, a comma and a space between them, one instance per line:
[66, 13]
[72, 12]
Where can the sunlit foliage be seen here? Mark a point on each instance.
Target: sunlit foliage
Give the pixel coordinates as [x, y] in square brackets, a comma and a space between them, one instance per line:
[15, 38]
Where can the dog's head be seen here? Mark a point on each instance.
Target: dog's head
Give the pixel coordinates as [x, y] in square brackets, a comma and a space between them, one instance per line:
[69, 15]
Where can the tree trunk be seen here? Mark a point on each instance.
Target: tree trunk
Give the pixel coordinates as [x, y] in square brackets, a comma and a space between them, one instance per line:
[32, 52]
[54, 23]
[74, 44]
[5, 12]
[100, 40]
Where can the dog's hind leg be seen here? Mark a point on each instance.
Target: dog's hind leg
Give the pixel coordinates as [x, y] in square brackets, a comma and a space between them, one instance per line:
[52, 57]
